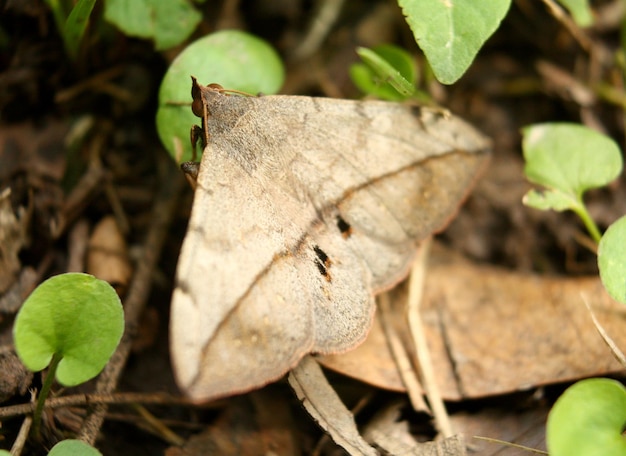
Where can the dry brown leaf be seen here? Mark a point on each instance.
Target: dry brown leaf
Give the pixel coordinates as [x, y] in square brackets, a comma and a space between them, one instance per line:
[323, 404]
[107, 256]
[507, 332]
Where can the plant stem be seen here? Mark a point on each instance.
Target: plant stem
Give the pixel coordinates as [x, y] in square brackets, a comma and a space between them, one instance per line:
[581, 210]
[45, 389]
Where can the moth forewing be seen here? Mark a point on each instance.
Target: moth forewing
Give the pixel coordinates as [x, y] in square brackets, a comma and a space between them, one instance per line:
[305, 207]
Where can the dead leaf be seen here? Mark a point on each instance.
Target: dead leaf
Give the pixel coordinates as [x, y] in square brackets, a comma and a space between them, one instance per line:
[493, 331]
[107, 256]
[305, 208]
[324, 405]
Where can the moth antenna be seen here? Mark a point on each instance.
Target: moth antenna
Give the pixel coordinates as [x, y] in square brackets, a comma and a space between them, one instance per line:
[218, 88]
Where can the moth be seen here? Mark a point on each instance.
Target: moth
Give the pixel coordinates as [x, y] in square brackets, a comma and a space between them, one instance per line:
[304, 209]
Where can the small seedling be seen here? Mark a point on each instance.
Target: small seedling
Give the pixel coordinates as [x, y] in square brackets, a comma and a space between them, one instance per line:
[71, 324]
[71, 25]
[568, 160]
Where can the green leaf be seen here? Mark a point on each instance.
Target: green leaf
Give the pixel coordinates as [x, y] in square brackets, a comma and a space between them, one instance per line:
[76, 25]
[612, 260]
[71, 447]
[168, 23]
[75, 316]
[580, 11]
[234, 59]
[452, 32]
[388, 72]
[569, 157]
[587, 420]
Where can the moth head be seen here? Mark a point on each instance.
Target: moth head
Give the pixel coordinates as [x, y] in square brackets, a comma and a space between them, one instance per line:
[196, 95]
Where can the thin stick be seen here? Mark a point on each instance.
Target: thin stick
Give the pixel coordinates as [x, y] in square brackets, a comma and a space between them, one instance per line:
[617, 353]
[159, 427]
[93, 399]
[416, 287]
[22, 436]
[510, 444]
[401, 358]
[321, 24]
[578, 34]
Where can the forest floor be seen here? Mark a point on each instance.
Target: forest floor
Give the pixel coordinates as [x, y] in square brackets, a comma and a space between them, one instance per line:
[503, 318]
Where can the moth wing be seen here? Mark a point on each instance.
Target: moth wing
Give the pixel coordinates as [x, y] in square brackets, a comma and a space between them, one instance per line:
[249, 277]
[389, 177]
[285, 248]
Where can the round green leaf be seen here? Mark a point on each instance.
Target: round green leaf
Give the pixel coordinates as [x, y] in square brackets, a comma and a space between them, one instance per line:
[587, 420]
[452, 32]
[168, 23]
[75, 315]
[569, 157]
[612, 260]
[71, 447]
[236, 60]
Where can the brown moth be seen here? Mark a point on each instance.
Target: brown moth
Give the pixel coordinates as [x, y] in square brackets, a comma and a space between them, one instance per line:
[304, 209]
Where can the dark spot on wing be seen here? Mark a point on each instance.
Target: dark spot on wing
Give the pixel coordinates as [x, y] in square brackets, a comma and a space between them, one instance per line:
[344, 227]
[322, 261]
[416, 110]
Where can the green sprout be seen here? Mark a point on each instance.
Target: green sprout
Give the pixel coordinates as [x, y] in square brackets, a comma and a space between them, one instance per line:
[568, 159]
[71, 23]
[72, 324]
